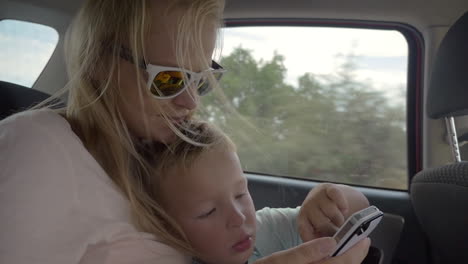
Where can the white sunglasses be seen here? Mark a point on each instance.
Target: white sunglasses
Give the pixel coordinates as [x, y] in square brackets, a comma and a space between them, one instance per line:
[168, 82]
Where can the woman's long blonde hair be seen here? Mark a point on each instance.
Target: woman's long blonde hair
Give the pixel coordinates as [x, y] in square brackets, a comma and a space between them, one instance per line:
[92, 46]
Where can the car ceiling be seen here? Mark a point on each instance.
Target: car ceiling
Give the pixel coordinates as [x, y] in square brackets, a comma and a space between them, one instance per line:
[418, 13]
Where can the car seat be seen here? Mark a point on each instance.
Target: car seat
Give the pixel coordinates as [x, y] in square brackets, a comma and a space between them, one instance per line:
[440, 195]
[15, 98]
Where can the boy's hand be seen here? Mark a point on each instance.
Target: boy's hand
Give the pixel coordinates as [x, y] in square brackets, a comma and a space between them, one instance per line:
[325, 209]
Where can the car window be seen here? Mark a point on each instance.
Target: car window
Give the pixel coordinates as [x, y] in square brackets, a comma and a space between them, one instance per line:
[320, 103]
[25, 49]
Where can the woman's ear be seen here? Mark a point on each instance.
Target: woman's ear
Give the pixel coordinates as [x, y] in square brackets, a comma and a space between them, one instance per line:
[145, 75]
[100, 71]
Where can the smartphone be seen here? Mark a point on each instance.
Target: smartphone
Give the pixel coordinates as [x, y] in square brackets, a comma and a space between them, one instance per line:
[357, 227]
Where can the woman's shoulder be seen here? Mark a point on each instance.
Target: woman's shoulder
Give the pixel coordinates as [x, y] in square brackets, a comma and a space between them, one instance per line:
[37, 145]
[52, 187]
[27, 121]
[36, 129]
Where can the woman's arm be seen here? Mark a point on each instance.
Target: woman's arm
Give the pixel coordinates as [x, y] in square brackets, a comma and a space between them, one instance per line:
[36, 193]
[58, 205]
[133, 251]
[317, 252]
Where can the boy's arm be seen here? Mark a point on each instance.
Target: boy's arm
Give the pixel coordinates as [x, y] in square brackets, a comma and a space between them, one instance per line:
[276, 231]
[326, 207]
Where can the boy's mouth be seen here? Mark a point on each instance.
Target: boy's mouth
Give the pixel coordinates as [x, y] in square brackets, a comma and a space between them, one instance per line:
[243, 245]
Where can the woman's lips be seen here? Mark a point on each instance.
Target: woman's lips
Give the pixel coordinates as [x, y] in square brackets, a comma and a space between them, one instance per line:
[243, 245]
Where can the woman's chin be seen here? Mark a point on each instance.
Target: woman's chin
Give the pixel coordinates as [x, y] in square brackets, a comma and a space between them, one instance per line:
[169, 139]
[164, 136]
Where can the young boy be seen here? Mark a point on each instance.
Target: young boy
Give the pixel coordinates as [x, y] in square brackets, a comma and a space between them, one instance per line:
[202, 187]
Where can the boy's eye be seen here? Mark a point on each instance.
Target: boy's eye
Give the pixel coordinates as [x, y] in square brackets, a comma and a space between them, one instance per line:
[206, 214]
[240, 195]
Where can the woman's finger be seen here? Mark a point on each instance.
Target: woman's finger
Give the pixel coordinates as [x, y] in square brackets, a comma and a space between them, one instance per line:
[306, 253]
[354, 255]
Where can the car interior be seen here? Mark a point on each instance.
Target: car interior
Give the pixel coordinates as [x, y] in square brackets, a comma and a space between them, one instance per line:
[424, 216]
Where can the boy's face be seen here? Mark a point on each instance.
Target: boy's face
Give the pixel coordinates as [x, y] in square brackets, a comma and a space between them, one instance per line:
[212, 204]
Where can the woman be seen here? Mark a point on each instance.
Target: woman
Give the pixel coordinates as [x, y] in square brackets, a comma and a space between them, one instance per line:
[71, 180]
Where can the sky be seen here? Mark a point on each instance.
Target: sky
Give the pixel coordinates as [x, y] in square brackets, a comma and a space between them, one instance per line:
[381, 55]
[25, 48]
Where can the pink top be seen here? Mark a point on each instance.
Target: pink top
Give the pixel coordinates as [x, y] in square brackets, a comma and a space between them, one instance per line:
[59, 206]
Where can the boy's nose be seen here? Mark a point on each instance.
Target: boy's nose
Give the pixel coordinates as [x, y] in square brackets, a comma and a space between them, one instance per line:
[237, 218]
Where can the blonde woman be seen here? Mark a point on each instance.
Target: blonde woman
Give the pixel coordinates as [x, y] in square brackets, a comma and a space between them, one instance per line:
[71, 180]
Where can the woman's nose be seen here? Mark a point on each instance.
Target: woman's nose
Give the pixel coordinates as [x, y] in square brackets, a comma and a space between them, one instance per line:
[187, 99]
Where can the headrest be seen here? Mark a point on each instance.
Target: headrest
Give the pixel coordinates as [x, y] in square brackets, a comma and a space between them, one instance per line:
[448, 87]
[14, 98]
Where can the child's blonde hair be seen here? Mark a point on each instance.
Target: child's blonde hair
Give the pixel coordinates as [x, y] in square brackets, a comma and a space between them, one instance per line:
[92, 47]
[182, 154]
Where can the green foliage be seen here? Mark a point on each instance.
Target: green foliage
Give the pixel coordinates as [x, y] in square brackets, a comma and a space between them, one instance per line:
[330, 128]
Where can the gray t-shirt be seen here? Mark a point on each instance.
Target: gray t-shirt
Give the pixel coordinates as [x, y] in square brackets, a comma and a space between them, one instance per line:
[276, 231]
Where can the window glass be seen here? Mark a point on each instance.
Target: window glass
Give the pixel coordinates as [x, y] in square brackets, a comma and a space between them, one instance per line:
[316, 102]
[25, 49]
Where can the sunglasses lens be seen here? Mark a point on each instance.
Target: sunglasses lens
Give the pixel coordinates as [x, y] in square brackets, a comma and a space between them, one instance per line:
[218, 75]
[204, 86]
[168, 83]
[171, 83]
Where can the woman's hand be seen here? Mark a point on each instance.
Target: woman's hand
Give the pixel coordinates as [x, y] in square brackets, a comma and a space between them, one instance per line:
[317, 252]
[325, 209]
